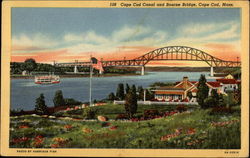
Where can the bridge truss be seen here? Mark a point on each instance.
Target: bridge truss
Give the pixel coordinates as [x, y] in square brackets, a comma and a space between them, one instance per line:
[178, 53]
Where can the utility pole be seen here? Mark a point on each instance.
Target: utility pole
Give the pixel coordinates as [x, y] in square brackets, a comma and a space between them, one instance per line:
[144, 96]
[90, 82]
[237, 63]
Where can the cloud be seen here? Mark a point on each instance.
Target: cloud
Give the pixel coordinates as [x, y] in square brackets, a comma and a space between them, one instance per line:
[131, 41]
[32, 42]
[209, 32]
[128, 33]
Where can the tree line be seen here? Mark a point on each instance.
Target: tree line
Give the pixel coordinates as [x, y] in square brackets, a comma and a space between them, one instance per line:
[30, 65]
[41, 108]
[122, 90]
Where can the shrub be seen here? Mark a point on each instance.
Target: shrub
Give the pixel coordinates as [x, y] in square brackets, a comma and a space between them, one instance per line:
[89, 113]
[150, 114]
[221, 110]
[58, 114]
[121, 117]
[74, 112]
[181, 108]
[71, 101]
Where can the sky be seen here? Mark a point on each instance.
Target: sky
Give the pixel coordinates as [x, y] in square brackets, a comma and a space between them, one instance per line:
[69, 34]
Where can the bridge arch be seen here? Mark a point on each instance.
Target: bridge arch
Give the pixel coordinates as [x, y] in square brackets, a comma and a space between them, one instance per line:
[184, 53]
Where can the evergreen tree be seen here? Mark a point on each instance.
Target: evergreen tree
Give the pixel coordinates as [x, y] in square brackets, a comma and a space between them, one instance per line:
[134, 103]
[127, 88]
[202, 92]
[131, 102]
[215, 97]
[140, 93]
[237, 94]
[40, 107]
[149, 95]
[120, 92]
[58, 99]
[111, 96]
[221, 100]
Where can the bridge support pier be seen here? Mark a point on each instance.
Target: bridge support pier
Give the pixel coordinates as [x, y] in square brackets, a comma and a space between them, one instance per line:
[211, 71]
[100, 72]
[142, 70]
[75, 69]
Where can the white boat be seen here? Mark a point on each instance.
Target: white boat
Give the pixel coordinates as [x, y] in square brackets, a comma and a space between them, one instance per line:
[47, 79]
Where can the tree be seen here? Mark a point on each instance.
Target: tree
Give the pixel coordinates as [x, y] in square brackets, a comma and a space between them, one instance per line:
[111, 96]
[149, 95]
[30, 64]
[140, 93]
[215, 97]
[58, 99]
[131, 102]
[40, 107]
[127, 88]
[89, 113]
[120, 92]
[213, 100]
[221, 100]
[202, 92]
[237, 94]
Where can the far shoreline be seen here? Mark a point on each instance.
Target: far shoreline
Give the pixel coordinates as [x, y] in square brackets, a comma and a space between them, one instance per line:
[76, 76]
[148, 70]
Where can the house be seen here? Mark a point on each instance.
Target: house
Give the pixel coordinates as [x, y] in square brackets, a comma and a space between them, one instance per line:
[176, 93]
[24, 73]
[229, 76]
[179, 92]
[228, 84]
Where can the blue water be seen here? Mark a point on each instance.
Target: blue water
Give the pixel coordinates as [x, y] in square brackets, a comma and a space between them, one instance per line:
[24, 91]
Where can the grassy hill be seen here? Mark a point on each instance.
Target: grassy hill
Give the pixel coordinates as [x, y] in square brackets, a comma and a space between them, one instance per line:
[197, 129]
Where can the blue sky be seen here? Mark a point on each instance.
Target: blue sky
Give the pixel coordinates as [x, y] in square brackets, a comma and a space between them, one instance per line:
[76, 31]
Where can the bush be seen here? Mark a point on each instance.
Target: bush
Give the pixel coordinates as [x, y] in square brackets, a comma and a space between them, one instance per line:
[74, 112]
[210, 102]
[150, 114]
[58, 114]
[121, 117]
[181, 108]
[89, 113]
[221, 110]
[71, 101]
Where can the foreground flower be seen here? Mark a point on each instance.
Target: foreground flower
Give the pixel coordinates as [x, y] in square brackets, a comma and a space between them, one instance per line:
[191, 131]
[68, 127]
[167, 137]
[54, 146]
[23, 126]
[194, 142]
[87, 130]
[59, 142]
[224, 123]
[113, 127]
[38, 141]
[20, 140]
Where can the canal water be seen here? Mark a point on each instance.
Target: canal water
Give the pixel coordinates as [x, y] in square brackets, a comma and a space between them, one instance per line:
[24, 91]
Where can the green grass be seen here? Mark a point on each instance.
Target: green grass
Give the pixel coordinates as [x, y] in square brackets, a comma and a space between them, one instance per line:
[143, 134]
[112, 110]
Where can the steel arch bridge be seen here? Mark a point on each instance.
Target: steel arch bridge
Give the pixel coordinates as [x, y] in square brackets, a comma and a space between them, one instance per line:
[165, 53]
[174, 53]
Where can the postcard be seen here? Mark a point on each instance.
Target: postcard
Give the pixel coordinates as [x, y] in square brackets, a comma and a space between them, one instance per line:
[125, 78]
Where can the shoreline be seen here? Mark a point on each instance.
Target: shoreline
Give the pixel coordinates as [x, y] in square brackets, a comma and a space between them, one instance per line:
[76, 76]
